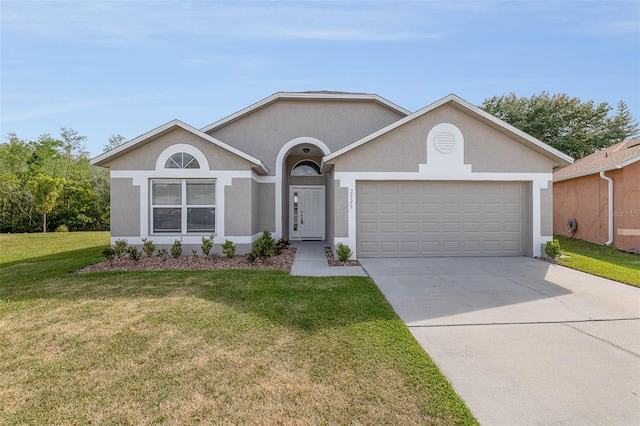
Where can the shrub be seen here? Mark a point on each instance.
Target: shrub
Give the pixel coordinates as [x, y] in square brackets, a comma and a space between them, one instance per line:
[229, 249]
[148, 247]
[207, 245]
[552, 249]
[62, 228]
[162, 253]
[251, 256]
[109, 253]
[133, 253]
[176, 249]
[120, 248]
[280, 245]
[344, 252]
[264, 245]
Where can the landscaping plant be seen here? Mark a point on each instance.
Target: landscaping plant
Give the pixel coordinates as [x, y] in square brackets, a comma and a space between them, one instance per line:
[552, 248]
[344, 252]
[207, 245]
[229, 249]
[120, 248]
[133, 253]
[176, 249]
[148, 247]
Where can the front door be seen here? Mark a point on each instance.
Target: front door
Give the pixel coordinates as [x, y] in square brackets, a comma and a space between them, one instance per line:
[306, 212]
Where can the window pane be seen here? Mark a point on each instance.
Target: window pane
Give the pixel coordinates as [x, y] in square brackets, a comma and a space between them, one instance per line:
[201, 193]
[166, 220]
[172, 164]
[306, 168]
[201, 219]
[188, 162]
[181, 160]
[167, 193]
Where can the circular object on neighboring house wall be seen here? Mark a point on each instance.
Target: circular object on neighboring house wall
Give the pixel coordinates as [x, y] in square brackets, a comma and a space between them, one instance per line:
[572, 225]
[445, 142]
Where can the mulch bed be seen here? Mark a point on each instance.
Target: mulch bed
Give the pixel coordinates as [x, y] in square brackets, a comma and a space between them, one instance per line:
[333, 262]
[282, 262]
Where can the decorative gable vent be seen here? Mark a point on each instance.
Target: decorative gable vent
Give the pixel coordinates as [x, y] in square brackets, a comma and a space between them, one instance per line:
[445, 142]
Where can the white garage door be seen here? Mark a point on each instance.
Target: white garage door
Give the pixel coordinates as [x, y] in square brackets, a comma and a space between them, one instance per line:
[416, 218]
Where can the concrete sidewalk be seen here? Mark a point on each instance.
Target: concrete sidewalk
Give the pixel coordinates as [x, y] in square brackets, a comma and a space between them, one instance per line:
[311, 261]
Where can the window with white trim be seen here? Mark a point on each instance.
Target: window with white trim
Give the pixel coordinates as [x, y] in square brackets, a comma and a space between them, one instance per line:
[306, 168]
[183, 206]
[182, 160]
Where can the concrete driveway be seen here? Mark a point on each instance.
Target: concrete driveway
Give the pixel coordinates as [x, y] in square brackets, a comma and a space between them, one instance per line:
[521, 340]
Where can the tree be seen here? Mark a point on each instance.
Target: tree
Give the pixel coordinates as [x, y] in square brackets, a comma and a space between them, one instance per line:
[114, 142]
[45, 190]
[574, 127]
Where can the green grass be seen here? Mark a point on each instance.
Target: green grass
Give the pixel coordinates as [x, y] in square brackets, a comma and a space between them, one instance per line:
[202, 346]
[601, 260]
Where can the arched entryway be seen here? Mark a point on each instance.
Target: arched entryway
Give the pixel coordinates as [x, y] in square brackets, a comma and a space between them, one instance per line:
[301, 190]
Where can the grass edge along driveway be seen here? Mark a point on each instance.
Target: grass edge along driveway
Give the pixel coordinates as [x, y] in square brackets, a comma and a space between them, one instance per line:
[203, 347]
[600, 260]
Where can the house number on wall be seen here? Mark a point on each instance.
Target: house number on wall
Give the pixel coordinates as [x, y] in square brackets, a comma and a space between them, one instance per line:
[351, 199]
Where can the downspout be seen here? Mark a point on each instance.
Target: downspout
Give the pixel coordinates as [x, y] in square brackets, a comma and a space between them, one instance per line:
[610, 208]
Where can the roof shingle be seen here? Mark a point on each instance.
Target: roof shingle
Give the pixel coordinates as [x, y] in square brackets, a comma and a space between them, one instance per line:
[607, 159]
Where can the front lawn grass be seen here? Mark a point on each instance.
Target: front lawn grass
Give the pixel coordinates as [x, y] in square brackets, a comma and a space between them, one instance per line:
[603, 261]
[223, 347]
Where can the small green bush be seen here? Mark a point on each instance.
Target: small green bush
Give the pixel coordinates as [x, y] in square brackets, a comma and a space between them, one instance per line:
[120, 248]
[62, 228]
[148, 247]
[344, 252]
[251, 256]
[552, 249]
[133, 253]
[162, 253]
[229, 249]
[280, 245]
[264, 245]
[109, 253]
[176, 249]
[207, 245]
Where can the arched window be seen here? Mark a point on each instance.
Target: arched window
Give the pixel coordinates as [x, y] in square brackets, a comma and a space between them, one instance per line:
[181, 160]
[306, 168]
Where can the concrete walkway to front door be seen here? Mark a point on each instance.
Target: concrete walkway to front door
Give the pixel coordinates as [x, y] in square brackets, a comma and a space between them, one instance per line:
[311, 261]
[522, 341]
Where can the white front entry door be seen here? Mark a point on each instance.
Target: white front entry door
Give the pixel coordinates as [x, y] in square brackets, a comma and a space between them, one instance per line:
[306, 212]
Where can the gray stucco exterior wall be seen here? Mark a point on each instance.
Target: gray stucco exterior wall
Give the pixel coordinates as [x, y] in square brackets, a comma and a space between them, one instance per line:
[237, 208]
[402, 149]
[144, 157]
[267, 207]
[125, 208]
[334, 122]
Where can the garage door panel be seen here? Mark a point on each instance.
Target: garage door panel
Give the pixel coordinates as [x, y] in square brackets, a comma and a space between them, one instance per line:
[440, 218]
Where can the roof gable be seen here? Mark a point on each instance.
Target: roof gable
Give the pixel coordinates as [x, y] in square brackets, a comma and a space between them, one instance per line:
[614, 157]
[164, 129]
[321, 95]
[556, 156]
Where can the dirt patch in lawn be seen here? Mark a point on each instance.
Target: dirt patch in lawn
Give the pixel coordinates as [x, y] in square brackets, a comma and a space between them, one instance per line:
[334, 262]
[283, 262]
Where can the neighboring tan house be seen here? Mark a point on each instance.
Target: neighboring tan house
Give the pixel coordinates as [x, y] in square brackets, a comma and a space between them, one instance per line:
[601, 193]
[447, 180]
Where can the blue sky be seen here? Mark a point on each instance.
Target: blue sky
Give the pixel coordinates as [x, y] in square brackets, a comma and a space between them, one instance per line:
[123, 67]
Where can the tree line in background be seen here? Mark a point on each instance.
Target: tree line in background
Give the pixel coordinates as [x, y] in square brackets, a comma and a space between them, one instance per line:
[49, 183]
[574, 127]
